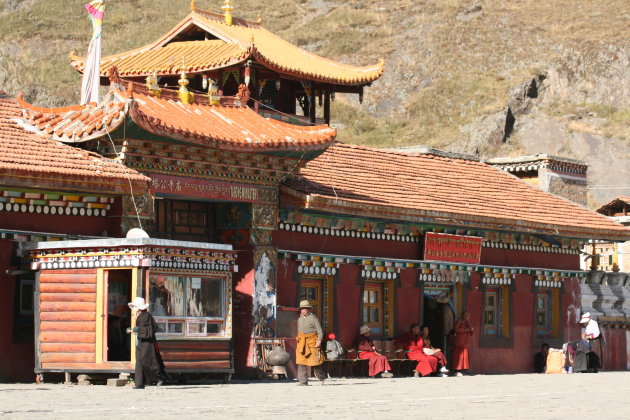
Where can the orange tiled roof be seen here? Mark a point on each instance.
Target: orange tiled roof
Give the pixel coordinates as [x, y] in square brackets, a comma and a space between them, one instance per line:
[244, 39]
[198, 55]
[227, 127]
[77, 123]
[430, 188]
[51, 163]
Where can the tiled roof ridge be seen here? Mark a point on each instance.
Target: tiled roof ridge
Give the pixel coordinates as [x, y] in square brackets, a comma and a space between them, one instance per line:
[439, 154]
[26, 152]
[261, 57]
[220, 17]
[21, 102]
[233, 53]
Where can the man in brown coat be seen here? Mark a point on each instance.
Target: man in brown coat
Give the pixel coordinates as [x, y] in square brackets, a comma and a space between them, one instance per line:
[309, 344]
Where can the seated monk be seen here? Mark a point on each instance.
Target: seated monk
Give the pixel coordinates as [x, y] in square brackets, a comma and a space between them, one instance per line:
[413, 343]
[431, 351]
[377, 362]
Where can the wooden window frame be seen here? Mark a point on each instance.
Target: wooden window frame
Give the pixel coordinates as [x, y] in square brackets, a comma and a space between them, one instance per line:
[503, 335]
[186, 320]
[379, 288]
[324, 308]
[553, 325]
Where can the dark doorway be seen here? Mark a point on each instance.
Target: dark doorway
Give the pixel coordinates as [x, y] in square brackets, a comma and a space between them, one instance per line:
[118, 288]
[438, 312]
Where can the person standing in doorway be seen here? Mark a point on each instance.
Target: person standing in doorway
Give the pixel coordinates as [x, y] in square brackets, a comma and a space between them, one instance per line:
[309, 344]
[463, 330]
[149, 364]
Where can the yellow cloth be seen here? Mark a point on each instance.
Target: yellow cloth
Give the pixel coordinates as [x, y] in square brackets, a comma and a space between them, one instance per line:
[306, 353]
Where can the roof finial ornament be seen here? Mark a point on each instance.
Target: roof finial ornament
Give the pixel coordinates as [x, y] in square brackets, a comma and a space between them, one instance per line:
[183, 94]
[259, 19]
[152, 84]
[227, 10]
[192, 5]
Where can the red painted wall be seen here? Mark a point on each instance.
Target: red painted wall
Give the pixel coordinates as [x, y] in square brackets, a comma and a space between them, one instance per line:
[408, 301]
[345, 246]
[517, 358]
[517, 258]
[72, 225]
[17, 360]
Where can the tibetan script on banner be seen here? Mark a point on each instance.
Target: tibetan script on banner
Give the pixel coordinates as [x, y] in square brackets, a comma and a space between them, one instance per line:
[452, 248]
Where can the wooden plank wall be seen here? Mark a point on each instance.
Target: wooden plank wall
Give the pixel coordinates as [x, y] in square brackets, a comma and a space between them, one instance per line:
[67, 308]
[196, 354]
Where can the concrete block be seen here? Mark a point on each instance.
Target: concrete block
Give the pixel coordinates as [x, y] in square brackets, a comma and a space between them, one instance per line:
[116, 382]
[84, 383]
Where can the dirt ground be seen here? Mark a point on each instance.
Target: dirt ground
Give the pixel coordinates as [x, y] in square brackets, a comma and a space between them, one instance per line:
[526, 396]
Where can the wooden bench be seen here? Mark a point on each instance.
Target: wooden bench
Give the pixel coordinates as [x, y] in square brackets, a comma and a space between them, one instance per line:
[352, 366]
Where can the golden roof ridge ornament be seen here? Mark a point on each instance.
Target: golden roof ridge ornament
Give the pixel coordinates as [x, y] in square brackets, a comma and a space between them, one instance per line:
[227, 10]
[192, 5]
[183, 94]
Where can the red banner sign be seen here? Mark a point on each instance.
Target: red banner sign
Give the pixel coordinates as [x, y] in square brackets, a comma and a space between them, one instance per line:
[452, 248]
[216, 190]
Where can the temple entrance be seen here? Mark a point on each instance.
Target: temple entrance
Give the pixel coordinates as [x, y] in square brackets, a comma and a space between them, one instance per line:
[118, 292]
[438, 312]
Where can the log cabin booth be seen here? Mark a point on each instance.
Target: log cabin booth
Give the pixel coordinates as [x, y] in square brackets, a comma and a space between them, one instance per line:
[49, 191]
[83, 288]
[387, 239]
[216, 150]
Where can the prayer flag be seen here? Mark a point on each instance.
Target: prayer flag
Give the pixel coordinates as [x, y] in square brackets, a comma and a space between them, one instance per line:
[92, 69]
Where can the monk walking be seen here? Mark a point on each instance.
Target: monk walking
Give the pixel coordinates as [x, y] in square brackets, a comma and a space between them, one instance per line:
[413, 343]
[309, 342]
[463, 330]
[377, 362]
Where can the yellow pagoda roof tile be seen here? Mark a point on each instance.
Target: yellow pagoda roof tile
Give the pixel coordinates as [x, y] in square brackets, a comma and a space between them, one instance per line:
[195, 55]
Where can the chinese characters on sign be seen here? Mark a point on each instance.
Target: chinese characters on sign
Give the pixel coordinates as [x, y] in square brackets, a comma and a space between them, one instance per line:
[208, 189]
[452, 248]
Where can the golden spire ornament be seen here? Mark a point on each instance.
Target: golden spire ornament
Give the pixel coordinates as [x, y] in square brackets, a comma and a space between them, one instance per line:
[227, 10]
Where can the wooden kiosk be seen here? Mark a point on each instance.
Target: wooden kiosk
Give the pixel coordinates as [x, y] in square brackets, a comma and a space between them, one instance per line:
[83, 287]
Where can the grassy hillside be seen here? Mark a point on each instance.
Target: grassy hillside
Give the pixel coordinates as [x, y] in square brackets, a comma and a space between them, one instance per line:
[452, 66]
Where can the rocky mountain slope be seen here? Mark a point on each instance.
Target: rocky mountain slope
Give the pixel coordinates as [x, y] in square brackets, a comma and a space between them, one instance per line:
[485, 77]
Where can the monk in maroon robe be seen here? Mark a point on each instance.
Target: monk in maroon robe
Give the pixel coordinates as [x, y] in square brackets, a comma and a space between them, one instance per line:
[433, 352]
[377, 362]
[459, 353]
[414, 346]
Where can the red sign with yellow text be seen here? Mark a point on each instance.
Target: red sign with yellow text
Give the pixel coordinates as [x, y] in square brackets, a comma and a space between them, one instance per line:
[452, 248]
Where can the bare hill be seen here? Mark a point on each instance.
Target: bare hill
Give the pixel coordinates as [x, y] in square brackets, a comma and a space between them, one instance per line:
[483, 77]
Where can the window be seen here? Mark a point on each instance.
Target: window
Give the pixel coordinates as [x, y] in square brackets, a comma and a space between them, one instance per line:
[311, 289]
[372, 315]
[496, 312]
[543, 314]
[491, 322]
[547, 313]
[187, 306]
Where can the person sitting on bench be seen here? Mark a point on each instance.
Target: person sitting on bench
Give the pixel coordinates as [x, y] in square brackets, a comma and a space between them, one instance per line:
[431, 351]
[378, 363]
[413, 343]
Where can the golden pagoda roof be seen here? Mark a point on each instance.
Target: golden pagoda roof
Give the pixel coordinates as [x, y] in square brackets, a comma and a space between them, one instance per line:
[197, 56]
[234, 43]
